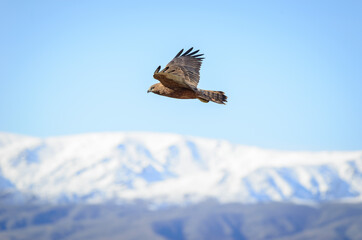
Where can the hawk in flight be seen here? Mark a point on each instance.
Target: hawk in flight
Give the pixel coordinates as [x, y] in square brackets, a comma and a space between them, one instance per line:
[180, 77]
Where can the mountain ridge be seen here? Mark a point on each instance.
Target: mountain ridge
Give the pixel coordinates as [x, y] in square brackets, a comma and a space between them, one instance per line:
[173, 169]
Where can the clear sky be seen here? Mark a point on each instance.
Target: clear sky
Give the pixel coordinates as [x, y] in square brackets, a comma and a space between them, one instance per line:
[292, 69]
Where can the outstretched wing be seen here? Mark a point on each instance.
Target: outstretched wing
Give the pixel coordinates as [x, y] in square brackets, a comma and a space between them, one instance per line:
[182, 71]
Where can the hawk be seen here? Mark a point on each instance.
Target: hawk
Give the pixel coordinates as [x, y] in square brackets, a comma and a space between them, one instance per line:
[180, 77]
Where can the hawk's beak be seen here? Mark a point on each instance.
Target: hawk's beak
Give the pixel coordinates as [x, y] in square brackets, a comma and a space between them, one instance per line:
[148, 91]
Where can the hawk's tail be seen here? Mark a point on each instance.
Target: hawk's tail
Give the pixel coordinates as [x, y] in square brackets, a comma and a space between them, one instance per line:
[215, 96]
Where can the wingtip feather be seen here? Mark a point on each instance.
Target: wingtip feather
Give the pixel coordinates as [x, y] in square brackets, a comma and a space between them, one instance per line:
[194, 52]
[187, 51]
[157, 69]
[179, 53]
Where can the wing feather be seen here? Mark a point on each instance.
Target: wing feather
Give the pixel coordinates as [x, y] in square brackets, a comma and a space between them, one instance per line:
[187, 52]
[194, 52]
[199, 55]
[179, 53]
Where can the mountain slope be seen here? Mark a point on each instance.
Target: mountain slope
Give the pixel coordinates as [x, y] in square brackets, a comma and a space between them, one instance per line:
[207, 220]
[172, 169]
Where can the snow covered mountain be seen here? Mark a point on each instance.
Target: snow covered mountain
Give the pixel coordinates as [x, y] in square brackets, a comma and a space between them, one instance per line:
[171, 169]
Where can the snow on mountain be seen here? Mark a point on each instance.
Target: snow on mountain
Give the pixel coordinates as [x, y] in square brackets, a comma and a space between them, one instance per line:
[169, 168]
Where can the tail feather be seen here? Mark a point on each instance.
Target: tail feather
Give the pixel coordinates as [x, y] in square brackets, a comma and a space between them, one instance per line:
[215, 96]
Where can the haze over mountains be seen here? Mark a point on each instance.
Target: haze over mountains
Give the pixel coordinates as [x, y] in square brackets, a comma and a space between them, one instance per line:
[170, 169]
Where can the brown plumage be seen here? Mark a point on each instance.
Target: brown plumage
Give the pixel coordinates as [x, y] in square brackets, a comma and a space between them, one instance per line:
[180, 77]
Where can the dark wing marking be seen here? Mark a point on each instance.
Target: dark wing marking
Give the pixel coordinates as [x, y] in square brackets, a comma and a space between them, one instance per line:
[157, 69]
[179, 53]
[187, 52]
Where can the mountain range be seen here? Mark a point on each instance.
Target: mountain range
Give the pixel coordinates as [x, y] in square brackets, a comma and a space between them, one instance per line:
[169, 169]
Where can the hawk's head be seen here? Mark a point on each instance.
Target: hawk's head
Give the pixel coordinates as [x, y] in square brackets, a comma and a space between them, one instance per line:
[154, 88]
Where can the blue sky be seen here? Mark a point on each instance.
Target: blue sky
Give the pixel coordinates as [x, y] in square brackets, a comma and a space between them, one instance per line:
[292, 69]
